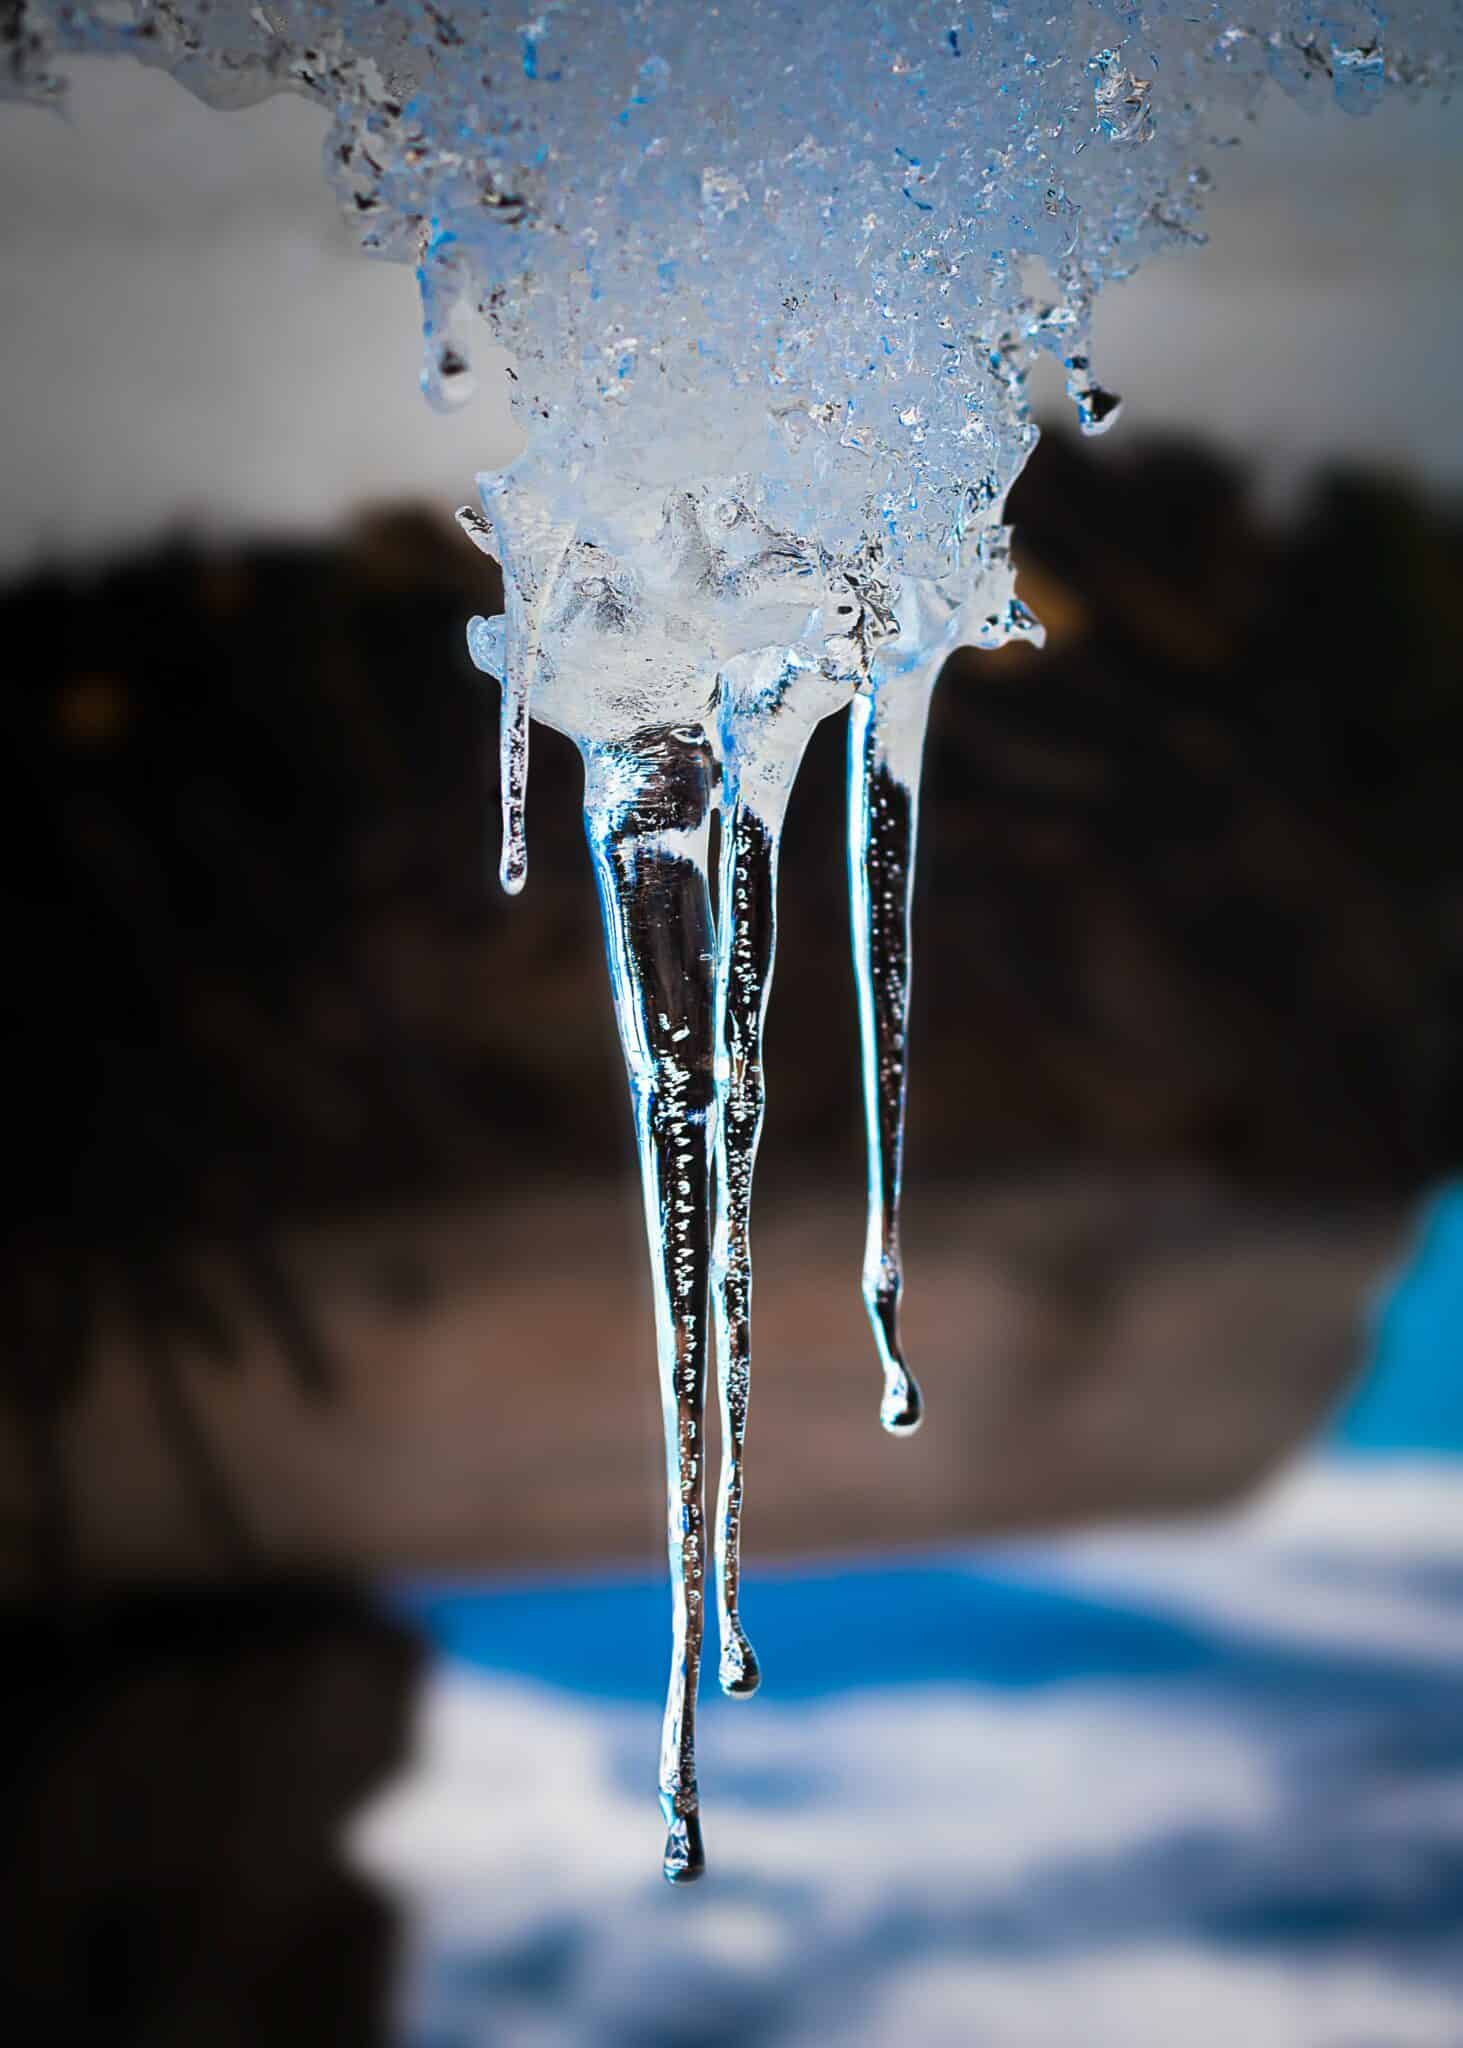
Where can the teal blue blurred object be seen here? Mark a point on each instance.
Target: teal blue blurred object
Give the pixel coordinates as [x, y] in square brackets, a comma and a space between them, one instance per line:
[1410, 1394]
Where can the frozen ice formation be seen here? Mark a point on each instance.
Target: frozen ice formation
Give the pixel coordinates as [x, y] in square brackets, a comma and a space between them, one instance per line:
[771, 278]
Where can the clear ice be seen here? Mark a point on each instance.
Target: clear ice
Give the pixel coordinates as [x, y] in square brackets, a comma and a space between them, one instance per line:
[771, 279]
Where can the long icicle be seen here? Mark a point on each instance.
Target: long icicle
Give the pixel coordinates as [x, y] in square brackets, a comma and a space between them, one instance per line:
[769, 705]
[647, 817]
[764, 723]
[886, 740]
[746, 933]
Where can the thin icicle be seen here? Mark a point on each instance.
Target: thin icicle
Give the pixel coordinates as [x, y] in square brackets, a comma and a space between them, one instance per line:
[746, 918]
[885, 747]
[513, 773]
[769, 705]
[486, 644]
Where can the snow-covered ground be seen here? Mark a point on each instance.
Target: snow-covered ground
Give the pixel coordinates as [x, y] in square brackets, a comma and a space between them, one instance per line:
[1196, 1784]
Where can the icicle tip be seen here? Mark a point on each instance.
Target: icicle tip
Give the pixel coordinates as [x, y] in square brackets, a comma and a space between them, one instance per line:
[685, 1854]
[513, 871]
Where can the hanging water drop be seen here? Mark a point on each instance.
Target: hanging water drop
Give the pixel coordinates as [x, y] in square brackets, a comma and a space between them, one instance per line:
[447, 379]
[1097, 409]
[486, 639]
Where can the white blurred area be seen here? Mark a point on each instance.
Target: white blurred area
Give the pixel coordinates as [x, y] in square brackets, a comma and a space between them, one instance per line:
[1257, 1846]
[187, 334]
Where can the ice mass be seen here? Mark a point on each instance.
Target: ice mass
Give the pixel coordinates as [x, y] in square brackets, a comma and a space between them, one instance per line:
[771, 278]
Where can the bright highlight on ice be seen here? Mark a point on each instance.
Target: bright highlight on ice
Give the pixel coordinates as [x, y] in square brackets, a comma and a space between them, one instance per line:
[772, 277]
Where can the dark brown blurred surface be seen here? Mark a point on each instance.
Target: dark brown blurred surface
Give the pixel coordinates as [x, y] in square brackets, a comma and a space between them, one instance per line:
[177, 1775]
[1087, 1348]
[299, 1102]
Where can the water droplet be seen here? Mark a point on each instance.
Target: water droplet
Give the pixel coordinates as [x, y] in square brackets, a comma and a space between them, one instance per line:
[447, 379]
[485, 643]
[1097, 408]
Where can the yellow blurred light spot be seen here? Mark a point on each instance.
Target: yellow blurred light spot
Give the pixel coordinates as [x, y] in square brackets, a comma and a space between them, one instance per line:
[1060, 610]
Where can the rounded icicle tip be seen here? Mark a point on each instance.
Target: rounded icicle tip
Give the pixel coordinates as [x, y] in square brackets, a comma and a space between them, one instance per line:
[685, 1854]
[487, 645]
[513, 871]
[1099, 410]
[447, 380]
[739, 1674]
[902, 1409]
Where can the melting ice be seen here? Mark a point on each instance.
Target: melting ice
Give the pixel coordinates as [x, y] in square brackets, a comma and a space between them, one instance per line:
[772, 278]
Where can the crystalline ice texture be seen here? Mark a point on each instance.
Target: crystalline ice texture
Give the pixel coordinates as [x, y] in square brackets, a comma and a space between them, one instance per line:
[764, 271]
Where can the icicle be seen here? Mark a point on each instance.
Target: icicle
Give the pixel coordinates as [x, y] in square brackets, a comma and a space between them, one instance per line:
[746, 939]
[665, 736]
[769, 705]
[885, 745]
[647, 811]
[447, 379]
[486, 643]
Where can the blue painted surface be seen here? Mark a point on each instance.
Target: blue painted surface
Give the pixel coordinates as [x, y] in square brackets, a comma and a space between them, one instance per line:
[1410, 1395]
[826, 1632]
[822, 1631]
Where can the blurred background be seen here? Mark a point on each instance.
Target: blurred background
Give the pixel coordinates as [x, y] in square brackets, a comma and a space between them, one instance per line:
[1125, 1703]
